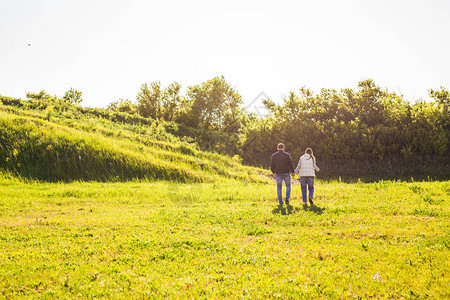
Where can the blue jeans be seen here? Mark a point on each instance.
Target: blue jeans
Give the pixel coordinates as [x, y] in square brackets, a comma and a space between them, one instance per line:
[286, 177]
[307, 183]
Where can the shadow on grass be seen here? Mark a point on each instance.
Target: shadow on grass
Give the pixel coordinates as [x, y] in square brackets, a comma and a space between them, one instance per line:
[315, 209]
[288, 210]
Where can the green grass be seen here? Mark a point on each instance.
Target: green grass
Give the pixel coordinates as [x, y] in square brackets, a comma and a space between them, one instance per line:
[223, 240]
[73, 146]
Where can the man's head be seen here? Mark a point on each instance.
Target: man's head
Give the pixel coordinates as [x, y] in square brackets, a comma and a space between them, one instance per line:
[280, 146]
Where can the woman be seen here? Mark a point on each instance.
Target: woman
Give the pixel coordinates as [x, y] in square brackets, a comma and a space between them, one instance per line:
[305, 169]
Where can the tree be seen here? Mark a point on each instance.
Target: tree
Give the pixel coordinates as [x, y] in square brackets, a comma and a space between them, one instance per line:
[42, 96]
[442, 97]
[171, 101]
[214, 105]
[368, 107]
[270, 106]
[73, 97]
[150, 100]
[123, 105]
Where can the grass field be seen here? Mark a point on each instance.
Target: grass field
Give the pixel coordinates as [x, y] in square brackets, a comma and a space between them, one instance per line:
[228, 240]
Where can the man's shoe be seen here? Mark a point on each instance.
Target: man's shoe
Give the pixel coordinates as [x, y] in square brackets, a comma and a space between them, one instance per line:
[287, 203]
[311, 202]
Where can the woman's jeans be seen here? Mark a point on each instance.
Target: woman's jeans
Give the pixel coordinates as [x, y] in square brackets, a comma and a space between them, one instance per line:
[286, 177]
[307, 182]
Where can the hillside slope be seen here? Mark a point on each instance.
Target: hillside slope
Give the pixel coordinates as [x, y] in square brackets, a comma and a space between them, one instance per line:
[57, 144]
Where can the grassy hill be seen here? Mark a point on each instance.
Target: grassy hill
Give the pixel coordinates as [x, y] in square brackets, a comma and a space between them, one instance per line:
[62, 143]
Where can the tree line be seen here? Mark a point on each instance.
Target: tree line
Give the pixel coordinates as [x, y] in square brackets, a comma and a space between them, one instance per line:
[362, 132]
[359, 133]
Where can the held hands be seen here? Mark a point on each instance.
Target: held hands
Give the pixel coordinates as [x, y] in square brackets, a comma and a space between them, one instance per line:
[275, 175]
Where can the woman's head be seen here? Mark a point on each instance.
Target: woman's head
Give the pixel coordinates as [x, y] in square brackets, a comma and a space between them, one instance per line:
[310, 152]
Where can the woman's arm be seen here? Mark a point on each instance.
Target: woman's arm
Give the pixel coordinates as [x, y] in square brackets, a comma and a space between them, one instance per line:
[316, 167]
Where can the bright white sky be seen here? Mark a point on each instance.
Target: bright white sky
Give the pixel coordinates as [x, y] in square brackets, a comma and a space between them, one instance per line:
[107, 49]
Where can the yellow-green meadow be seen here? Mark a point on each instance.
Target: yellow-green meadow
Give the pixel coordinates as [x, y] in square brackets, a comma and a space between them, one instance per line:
[143, 239]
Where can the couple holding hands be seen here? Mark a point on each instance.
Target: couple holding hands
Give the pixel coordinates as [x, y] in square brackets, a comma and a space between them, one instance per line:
[282, 167]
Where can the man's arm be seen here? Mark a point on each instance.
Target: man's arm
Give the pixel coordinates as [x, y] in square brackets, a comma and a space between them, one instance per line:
[298, 166]
[272, 164]
[291, 164]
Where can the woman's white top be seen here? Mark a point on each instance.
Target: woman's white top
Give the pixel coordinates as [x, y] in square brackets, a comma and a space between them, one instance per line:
[306, 166]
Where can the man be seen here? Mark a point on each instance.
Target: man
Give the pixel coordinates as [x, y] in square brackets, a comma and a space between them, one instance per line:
[282, 166]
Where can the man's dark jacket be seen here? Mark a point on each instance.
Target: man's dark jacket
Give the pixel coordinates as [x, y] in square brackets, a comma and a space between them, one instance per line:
[281, 162]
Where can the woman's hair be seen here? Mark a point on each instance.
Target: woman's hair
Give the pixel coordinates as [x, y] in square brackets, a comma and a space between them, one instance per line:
[310, 152]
